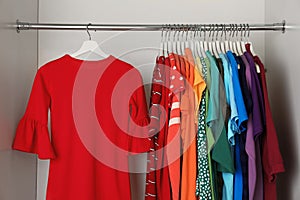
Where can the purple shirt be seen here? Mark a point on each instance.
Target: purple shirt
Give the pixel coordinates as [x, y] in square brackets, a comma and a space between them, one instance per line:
[257, 99]
[258, 125]
[250, 145]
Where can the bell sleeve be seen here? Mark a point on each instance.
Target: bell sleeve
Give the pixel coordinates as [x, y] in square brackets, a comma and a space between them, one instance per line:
[32, 133]
[138, 128]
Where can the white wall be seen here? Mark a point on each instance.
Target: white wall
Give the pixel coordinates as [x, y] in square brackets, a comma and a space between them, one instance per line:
[18, 65]
[133, 47]
[282, 62]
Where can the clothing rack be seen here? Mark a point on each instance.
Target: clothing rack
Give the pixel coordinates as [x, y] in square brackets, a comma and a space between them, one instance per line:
[20, 26]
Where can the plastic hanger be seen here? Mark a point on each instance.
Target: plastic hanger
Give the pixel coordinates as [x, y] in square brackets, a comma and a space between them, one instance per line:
[205, 42]
[197, 43]
[234, 49]
[243, 44]
[249, 42]
[238, 41]
[174, 44]
[178, 41]
[218, 44]
[202, 46]
[90, 46]
[214, 46]
[222, 41]
[210, 40]
[182, 44]
[231, 38]
[161, 47]
[251, 49]
[169, 43]
[186, 43]
[226, 42]
[197, 49]
[166, 42]
[192, 41]
[202, 50]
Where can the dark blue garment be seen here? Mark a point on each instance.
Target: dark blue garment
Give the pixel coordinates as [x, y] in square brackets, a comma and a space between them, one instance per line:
[238, 176]
[243, 82]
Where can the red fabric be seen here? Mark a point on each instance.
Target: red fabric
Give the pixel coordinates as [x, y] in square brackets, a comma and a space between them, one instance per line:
[173, 137]
[163, 179]
[74, 173]
[155, 100]
[162, 189]
[271, 157]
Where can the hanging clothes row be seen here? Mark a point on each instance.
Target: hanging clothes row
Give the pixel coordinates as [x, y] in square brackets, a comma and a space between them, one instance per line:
[212, 133]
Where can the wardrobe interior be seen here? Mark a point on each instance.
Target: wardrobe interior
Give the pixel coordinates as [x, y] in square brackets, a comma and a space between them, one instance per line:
[23, 176]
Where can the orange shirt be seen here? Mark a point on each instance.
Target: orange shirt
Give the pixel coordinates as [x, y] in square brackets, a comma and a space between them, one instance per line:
[188, 132]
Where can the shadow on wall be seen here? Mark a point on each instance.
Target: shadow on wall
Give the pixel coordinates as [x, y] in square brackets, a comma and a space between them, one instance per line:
[281, 110]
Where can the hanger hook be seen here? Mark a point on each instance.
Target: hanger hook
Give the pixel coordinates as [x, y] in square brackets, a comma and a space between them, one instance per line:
[162, 31]
[181, 31]
[223, 31]
[174, 32]
[186, 32]
[213, 32]
[248, 27]
[195, 30]
[216, 34]
[241, 30]
[87, 30]
[217, 31]
[199, 31]
[168, 32]
[231, 31]
[245, 30]
[165, 34]
[235, 30]
[204, 32]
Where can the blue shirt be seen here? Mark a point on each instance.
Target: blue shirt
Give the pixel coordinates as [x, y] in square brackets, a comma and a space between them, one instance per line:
[213, 116]
[238, 176]
[230, 98]
[242, 113]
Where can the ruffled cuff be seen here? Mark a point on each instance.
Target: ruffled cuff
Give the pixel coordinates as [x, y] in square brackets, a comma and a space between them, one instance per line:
[33, 137]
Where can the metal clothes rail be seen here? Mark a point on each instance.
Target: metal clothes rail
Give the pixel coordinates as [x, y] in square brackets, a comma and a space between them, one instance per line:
[20, 26]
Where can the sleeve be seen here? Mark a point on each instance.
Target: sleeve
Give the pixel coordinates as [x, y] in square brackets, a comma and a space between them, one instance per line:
[32, 134]
[140, 120]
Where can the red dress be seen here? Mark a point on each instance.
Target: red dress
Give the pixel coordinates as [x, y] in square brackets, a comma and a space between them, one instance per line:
[88, 160]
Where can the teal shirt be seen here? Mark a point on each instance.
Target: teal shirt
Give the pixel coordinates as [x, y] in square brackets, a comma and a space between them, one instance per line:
[221, 152]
